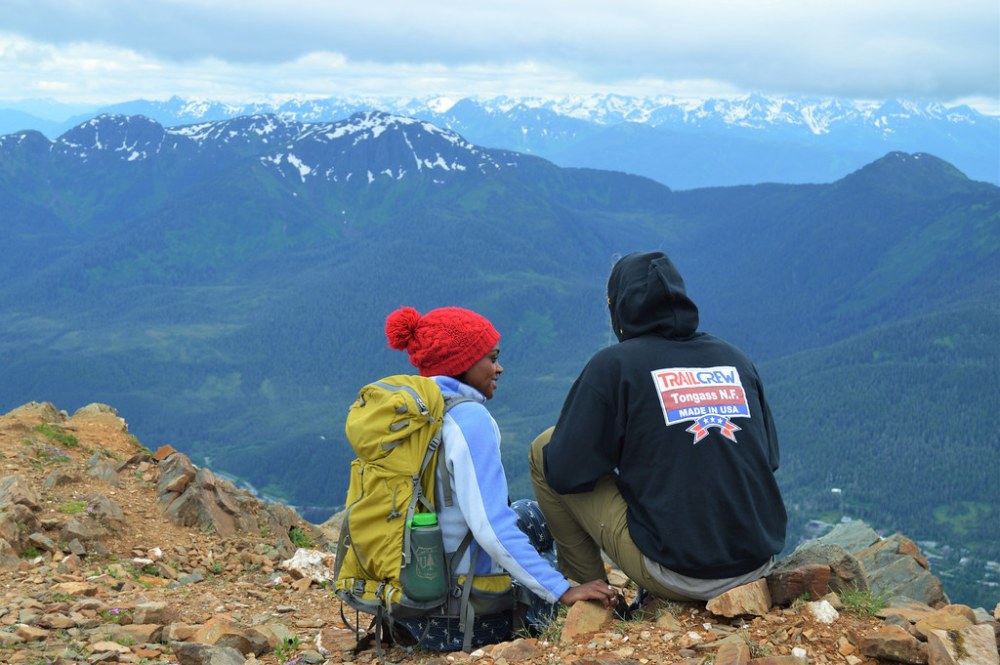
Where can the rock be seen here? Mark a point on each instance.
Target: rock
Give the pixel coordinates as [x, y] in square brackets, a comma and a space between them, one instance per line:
[690, 639]
[155, 612]
[203, 654]
[55, 621]
[334, 641]
[853, 536]
[107, 646]
[195, 497]
[130, 581]
[163, 452]
[281, 519]
[75, 589]
[583, 618]
[15, 490]
[950, 617]
[8, 556]
[222, 632]
[31, 633]
[103, 468]
[906, 607]
[895, 567]
[668, 622]
[137, 633]
[178, 632]
[16, 521]
[310, 657]
[277, 633]
[982, 616]
[59, 478]
[846, 572]
[823, 611]
[787, 586]
[733, 652]
[517, 651]
[753, 599]
[859, 559]
[892, 643]
[972, 645]
[76, 547]
[176, 473]
[69, 564]
[618, 578]
[85, 530]
[310, 564]
[107, 512]
[42, 410]
[97, 410]
[42, 542]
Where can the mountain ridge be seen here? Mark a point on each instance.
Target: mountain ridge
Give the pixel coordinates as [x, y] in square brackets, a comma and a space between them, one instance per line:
[751, 139]
[200, 278]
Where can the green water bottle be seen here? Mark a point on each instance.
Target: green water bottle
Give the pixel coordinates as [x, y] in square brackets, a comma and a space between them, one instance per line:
[423, 577]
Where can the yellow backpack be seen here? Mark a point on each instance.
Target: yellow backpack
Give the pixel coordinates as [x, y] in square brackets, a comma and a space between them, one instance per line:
[394, 428]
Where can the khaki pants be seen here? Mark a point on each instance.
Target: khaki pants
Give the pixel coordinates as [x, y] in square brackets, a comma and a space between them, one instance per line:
[585, 524]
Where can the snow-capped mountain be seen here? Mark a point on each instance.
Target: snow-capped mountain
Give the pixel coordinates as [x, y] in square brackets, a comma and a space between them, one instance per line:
[366, 146]
[818, 116]
[683, 143]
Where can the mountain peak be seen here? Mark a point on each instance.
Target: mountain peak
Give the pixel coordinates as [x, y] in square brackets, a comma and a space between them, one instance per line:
[920, 174]
[129, 137]
[375, 145]
[366, 146]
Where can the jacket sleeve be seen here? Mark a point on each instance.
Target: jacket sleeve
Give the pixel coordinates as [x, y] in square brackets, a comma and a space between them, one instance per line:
[773, 453]
[472, 449]
[587, 442]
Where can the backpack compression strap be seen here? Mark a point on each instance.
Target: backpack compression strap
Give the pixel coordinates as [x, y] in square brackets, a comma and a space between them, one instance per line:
[450, 401]
[436, 445]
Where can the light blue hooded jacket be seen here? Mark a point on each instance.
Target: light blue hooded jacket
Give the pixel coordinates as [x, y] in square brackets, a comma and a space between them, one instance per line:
[480, 498]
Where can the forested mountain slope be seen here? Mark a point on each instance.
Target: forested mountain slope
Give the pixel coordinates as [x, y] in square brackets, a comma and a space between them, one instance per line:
[226, 285]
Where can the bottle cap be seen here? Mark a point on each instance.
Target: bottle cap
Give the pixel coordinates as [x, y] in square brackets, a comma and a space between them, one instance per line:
[424, 519]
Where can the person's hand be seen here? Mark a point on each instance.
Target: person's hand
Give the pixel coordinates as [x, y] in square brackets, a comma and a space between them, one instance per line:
[598, 590]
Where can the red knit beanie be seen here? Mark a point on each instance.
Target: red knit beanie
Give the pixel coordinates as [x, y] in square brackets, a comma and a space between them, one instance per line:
[445, 341]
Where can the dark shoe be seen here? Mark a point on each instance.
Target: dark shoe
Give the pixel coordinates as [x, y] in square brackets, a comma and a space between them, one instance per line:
[640, 600]
[621, 609]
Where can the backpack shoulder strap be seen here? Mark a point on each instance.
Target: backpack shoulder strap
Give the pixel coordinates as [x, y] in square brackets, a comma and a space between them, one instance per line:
[446, 493]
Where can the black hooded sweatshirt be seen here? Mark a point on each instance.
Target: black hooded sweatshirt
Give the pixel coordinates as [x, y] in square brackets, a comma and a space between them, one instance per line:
[681, 417]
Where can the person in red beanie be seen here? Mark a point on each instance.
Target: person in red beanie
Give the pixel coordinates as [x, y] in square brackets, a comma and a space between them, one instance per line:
[460, 350]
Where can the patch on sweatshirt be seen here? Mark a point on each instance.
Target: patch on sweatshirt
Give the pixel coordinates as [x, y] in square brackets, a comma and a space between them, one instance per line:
[705, 396]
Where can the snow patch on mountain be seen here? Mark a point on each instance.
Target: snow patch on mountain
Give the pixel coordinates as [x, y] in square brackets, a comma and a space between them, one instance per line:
[333, 151]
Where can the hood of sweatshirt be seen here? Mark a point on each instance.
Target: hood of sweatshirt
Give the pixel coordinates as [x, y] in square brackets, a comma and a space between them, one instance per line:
[646, 296]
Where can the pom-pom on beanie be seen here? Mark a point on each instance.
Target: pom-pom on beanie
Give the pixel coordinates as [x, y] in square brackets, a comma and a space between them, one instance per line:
[446, 341]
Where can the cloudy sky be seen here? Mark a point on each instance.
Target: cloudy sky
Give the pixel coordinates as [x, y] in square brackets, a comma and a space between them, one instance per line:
[104, 51]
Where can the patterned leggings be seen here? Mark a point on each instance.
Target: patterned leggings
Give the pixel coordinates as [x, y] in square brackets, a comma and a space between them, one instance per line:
[443, 634]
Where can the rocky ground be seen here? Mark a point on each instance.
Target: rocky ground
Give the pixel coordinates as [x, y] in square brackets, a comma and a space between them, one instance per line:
[111, 552]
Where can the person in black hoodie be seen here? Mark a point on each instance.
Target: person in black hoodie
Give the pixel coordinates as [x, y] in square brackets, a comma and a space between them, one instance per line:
[664, 452]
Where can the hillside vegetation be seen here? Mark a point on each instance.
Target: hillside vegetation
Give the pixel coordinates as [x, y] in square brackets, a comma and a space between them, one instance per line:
[226, 285]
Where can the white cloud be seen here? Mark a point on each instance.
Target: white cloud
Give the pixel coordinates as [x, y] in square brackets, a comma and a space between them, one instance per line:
[112, 50]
